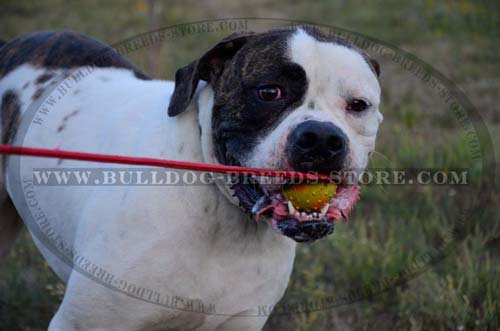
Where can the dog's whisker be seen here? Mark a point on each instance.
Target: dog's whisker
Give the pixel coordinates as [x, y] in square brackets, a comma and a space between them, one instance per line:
[382, 156]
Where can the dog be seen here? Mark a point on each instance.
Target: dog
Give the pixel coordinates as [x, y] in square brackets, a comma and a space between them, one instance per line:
[185, 257]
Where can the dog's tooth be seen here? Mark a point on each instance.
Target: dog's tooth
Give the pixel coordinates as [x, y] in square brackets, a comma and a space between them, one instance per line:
[309, 217]
[315, 215]
[304, 214]
[324, 209]
[297, 214]
[291, 209]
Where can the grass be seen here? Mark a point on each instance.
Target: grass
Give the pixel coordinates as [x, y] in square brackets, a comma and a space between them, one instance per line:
[392, 225]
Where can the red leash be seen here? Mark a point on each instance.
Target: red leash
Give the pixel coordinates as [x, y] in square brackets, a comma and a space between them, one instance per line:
[146, 161]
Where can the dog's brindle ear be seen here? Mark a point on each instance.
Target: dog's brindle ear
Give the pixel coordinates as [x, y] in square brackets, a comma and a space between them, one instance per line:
[207, 67]
[375, 65]
[371, 61]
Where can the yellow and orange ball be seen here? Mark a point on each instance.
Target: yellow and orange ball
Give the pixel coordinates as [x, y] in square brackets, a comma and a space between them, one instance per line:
[310, 197]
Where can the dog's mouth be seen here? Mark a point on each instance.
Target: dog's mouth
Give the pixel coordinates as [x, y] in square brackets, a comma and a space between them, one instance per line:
[285, 216]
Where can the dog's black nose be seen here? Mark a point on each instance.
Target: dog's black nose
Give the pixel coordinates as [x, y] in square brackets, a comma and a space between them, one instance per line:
[317, 146]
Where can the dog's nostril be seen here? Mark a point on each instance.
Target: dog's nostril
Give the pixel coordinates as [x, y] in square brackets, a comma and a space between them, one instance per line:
[307, 140]
[335, 143]
[317, 146]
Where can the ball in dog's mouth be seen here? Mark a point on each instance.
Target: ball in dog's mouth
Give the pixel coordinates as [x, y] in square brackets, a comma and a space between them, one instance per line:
[298, 212]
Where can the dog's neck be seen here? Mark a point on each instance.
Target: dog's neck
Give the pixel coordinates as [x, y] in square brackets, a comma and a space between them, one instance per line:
[205, 106]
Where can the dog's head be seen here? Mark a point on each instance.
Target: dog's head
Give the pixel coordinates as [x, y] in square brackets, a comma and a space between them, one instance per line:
[290, 99]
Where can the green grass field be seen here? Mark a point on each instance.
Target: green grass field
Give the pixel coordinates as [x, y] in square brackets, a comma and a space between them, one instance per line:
[393, 225]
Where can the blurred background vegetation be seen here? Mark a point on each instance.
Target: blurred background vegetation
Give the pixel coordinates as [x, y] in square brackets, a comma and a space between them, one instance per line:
[392, 224]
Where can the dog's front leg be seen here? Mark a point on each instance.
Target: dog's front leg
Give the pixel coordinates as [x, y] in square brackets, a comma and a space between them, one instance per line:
[94, 307]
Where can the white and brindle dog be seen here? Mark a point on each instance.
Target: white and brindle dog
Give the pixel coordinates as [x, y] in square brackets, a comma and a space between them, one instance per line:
[285, 99]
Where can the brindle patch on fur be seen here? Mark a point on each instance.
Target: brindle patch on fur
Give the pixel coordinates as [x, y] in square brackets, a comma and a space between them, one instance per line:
[44, 77]
[61, 49]
[240, 118]
[65, 120]
[38, 93]
[10, 115]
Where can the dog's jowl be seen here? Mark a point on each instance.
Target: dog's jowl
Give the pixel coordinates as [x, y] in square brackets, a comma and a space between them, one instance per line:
[198, 257]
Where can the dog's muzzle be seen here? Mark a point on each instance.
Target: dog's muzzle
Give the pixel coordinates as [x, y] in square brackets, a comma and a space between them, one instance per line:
[312, 146]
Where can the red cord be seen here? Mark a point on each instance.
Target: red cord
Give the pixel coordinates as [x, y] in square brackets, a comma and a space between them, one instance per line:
[146, 161]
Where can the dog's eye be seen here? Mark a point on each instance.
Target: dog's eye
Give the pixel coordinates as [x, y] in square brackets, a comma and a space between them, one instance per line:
[270, 93]
[357, 105]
